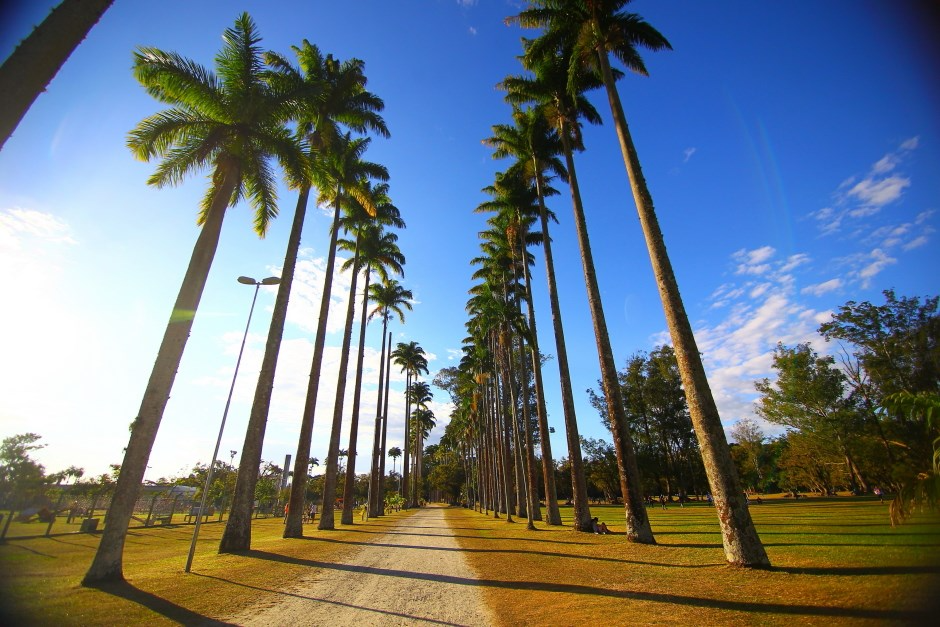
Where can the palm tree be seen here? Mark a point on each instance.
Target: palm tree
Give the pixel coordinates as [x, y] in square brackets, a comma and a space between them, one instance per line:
[377, 251]
[231, 122]
[328, 93]
[419, 395]
[388, 297]
[38, 58]
[342, 172]
[411, 358]
[356, 220]
[595, 29]
[531, 140]
[394, 453]
[514, 195]
[552, 90]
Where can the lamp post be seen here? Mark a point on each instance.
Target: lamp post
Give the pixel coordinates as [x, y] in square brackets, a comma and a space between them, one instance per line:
[271, 280]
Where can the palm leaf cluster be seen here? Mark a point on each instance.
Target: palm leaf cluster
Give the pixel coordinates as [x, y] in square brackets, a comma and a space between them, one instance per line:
[254, 111]
[570, 56]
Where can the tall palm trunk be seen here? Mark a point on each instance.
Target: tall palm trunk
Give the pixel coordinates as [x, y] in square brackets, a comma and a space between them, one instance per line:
[552, 515]
[405, 466]
[332, 455]
[348, 488]
[582, 513]
[637, 522]
[38, 58]
[293, 526]
[107, 564]
[742, 544]
[238, 527]
[532, 494]
[388, 379]
[375, 491]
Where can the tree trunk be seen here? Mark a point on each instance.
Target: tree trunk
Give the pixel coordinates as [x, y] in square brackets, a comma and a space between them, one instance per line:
[293, 526]
[553, 516]
[38, 58]
[332, 456]
[637, 522]
[375, 502]
[405, 470]
[347, 518]
[742, 544]
[240, 516]
[382, 455]
[108, 561]
[582, 513]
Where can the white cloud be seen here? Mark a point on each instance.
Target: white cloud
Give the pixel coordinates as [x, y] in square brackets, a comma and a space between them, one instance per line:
[822, 288]
[877, 261]
[917, 242]
[878, 193]
[454, 354]
[910, 144]
[753, 261]
[687, 154]
[472, 30]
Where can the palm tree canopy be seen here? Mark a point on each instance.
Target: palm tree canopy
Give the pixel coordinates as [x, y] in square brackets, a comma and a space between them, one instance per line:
[388, 297]
[231, 120]
[588, 27]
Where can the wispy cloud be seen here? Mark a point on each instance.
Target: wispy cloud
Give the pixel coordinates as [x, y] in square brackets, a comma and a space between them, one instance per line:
[687, 154]
[861, 197]
[472, 30]
[823, 288]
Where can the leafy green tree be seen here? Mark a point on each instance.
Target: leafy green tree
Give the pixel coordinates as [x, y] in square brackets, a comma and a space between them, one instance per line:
[22, 478]
[233, 123]
[810, 395]
[601, 467]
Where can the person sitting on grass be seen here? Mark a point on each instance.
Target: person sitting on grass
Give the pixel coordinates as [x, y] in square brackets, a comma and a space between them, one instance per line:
[599, 527]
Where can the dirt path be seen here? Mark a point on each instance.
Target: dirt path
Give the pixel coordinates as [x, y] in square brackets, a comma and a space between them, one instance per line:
[413, 575]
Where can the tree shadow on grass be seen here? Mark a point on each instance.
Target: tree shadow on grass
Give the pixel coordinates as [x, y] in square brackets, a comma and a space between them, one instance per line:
[910, 616]
[156, 604]
[855, 571]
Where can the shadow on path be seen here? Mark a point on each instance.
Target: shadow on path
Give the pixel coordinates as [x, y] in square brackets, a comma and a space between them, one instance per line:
[737, 606]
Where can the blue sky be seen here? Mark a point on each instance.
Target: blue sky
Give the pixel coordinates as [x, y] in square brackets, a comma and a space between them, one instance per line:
[792, 151]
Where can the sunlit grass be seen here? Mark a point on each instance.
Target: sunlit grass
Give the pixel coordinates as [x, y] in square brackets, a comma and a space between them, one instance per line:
[40, 577]
[834, 560]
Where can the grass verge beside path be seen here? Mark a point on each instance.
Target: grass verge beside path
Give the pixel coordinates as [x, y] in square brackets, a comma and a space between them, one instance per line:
[40, 577]
[835, 561]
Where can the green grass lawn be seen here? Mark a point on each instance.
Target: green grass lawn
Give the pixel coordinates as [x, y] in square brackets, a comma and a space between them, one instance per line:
[835, 560]
[40, 577]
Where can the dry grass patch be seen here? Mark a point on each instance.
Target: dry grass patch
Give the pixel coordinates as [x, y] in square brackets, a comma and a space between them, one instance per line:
[40, 577]
[834, 560]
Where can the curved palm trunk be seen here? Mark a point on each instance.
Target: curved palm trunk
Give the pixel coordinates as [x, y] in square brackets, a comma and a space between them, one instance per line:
[347, 518]
[293, 526]
[582, 513]
[332, 456]
[637, 522]
[238, 527]
[742, 544]
[107, 564]
[38, 58]
[375, 492]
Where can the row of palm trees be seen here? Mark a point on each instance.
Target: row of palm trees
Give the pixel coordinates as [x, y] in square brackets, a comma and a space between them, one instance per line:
[569, 57]
[255, 109]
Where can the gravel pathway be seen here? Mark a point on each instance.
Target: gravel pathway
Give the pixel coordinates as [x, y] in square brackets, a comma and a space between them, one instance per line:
[413, 575]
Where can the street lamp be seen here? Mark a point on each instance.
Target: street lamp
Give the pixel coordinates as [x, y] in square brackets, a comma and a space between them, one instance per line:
[271, 280]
